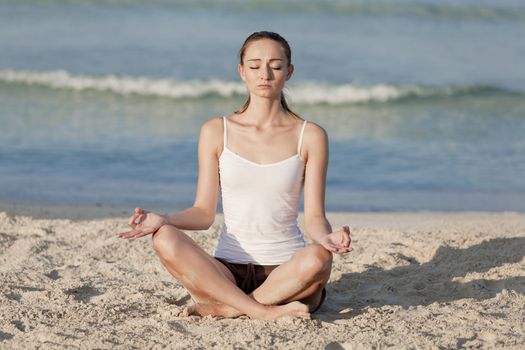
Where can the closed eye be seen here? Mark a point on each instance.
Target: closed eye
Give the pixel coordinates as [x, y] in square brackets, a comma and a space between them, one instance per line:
[276, 68]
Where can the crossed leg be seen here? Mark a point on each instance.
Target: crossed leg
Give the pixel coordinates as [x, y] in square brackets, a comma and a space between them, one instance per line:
[212, 285]
[300, 279]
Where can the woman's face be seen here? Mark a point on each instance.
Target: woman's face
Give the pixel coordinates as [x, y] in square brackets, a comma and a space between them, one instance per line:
[265, 68]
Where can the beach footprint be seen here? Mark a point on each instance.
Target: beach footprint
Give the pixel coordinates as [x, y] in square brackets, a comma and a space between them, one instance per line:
[5, 336]
[19, 325]
[54, 275]
[337, 346]
[84, 294]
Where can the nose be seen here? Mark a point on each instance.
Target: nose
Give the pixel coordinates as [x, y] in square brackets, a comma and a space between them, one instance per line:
[265, 73]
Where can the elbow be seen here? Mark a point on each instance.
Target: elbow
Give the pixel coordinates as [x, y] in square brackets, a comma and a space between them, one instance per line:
[210, 219]
[203, 224]
[204, 218]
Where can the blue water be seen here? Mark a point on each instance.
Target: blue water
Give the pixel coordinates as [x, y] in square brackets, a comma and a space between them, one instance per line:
[424, 101]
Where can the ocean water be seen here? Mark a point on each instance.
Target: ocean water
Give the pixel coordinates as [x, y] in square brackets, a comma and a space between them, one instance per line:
[424, 101]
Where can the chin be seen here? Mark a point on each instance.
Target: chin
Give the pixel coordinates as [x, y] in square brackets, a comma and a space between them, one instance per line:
[267, 94]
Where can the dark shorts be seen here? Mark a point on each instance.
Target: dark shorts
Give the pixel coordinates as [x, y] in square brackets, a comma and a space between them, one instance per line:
[249, 277]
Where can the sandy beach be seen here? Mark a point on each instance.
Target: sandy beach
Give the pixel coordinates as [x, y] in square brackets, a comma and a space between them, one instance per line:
[102, 107]
[414, 280]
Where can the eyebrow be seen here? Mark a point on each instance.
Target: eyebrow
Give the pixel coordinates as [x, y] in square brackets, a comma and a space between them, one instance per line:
[271, 59]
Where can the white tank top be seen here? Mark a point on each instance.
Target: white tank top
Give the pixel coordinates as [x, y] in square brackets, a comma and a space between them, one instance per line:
[260, 205]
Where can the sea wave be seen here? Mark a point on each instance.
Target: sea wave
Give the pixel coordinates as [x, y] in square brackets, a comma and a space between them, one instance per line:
[306, 92]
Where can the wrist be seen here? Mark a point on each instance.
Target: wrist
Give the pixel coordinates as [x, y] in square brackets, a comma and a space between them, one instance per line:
[319, 239]
[166, 220]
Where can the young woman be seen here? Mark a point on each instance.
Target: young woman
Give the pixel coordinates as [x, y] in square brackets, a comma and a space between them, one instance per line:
[260, 157]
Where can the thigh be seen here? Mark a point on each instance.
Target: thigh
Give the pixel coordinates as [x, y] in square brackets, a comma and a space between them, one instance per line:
[274, 288]
[210, 259]
[238, 271]
[176, 243]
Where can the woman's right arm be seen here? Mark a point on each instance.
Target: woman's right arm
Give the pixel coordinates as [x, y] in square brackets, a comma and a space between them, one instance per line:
[202, 214]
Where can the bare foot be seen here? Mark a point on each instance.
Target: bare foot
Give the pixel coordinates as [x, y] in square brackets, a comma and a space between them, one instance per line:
[202, 309]
[293, 309]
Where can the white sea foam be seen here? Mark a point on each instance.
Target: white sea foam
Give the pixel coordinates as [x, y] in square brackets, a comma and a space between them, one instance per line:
[314, 93]
[123, 85]
[306, 92]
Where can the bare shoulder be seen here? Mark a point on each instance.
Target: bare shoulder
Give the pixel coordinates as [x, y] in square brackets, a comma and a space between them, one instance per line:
[213, 125]
[212, 130]
[211, 135]
[314, 135]
[315, 142]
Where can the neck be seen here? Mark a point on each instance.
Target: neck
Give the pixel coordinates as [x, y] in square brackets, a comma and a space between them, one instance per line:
[264, 111]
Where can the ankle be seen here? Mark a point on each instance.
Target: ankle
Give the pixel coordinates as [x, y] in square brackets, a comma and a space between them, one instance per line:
[261, 313]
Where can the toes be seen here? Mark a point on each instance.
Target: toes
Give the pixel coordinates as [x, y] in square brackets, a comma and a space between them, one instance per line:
[305, 315]
[188, 311]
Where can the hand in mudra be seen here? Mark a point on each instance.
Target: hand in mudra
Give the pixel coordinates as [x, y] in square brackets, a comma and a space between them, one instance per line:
[143, 223]
[338, 241]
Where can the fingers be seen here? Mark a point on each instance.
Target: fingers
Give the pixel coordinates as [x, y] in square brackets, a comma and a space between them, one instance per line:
[139, 215]
[340, 241]
[131, 221]
[346, 237]
[140, 219]
[145, 231]
[340, 250]
[336, 248]
[129, 234]
[135, 221]
[138, 232]
[344, 234]
[133, 218]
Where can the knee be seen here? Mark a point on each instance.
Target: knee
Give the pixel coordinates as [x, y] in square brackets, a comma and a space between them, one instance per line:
[166, 241]
[316, 262]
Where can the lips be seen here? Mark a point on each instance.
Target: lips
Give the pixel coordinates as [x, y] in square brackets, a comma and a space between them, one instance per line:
[264, 86]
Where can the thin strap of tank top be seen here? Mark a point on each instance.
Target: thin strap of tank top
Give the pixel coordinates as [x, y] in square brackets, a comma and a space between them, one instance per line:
[225, 133]
[300, 143]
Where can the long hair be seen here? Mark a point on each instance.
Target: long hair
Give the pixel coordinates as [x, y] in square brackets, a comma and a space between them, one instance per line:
[288, 53]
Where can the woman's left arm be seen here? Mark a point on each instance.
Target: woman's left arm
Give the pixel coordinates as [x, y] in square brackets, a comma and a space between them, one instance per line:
[315, 149]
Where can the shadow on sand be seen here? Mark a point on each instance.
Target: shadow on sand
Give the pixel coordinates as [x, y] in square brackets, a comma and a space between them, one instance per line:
[438, 280]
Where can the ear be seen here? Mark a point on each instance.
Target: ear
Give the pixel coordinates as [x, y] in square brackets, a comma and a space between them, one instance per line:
[240, 69]
[290, 71]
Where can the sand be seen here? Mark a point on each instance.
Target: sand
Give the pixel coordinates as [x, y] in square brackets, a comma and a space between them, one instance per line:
[414, 280]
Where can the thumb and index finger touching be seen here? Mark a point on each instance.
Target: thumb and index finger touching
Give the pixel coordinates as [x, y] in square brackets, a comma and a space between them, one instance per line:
[346, 240]
[134, 221]
[137, 218]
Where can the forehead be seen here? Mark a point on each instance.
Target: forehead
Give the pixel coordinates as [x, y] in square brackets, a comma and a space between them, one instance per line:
[264, 49]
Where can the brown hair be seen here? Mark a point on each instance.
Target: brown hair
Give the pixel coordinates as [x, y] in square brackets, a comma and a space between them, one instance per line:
[287, 51]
